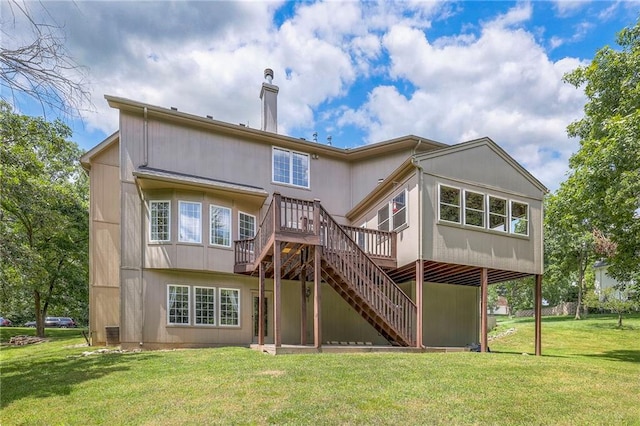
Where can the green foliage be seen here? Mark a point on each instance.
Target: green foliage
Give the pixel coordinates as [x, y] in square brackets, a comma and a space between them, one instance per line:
[605, 172]
[43, 220]
[519, 293]
[620, 300]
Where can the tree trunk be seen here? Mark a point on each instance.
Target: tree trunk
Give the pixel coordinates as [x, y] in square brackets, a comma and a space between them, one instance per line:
[581, 269]
[39, 315]
[619, 319]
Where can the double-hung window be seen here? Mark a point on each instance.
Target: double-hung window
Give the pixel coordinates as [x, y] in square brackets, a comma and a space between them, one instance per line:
[383, 218]
[450, 204]
[399, 210]
[190, 222]
[290, 167]
[160, 221]
[229, 307]
[220, 226]
[497, 214]
[205, 305]
[247, 226]
[474, 209]
[519, 218]
[178, 304]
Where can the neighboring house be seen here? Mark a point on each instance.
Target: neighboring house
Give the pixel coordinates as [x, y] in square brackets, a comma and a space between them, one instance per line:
[605, 283]
[206, 233]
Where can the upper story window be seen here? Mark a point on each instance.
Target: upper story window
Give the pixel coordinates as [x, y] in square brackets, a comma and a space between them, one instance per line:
[449, 204]
[190, 222]
[290, 167]
[519, 218]
[483, 211]
[399, 210]
[393, 215]
[220, 218]
[160, 220]
[247, 226]
[474, 209]
[383, 218]
[497, 214]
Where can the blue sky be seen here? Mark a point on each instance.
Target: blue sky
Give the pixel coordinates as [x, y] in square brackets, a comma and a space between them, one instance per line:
[358, 72]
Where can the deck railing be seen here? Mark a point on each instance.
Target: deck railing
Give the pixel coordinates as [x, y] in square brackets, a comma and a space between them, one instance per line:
[380, 244]
[372, 284]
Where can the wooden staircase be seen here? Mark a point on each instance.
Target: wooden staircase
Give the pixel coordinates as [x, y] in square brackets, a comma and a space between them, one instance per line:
[296, 227]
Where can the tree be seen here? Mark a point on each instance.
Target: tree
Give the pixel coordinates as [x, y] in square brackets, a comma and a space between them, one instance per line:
[619, 300]
[42, 68]
[519, 293]
[569, 241]
[43, 215]
[606, 167]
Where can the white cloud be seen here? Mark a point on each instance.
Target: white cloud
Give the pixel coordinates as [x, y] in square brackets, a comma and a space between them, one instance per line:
[566, 8]
[501, 84]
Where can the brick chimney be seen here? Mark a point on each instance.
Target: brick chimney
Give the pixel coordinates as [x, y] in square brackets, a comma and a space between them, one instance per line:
[269, 97]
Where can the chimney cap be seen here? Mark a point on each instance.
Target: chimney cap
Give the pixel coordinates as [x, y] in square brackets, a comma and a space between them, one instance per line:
[268, 74]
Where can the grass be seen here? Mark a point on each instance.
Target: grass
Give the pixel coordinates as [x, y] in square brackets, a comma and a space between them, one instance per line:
[589, 374]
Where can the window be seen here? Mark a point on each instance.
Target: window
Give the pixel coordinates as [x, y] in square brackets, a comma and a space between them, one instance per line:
[247, 226]
[497, 214]
[290, 167]
[204, 305]
[383, 218]
[190, 222]
[399, 210]
[229, 306]
[160, 220]
[519, 218]
[220, 218]
[474, 209]
[178, 304]
[449, 204]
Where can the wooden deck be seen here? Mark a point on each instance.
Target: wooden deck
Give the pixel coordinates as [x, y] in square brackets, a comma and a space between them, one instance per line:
[349, 349]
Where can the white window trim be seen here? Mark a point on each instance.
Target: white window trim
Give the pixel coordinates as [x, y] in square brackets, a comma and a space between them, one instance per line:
[214, 206]
[406, 208]
[188, 305]
[219, 306]
[215, 303]
[485, 216]
[511, 218]
[290, 152]
[255, 223]
[151, 203]
[180, 203]
[440, 185]
[507, 224]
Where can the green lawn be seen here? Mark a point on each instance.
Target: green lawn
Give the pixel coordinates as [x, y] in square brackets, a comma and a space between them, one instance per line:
[589, 374]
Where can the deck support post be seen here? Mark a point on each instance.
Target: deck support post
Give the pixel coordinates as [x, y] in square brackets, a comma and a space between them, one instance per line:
[483, 309]
[303, 304]
[538, 314]
[317, 324]
[261, 304]
[277, 305]
[419, 290]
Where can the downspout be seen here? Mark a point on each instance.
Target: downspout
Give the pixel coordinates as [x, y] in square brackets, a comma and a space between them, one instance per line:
[142, 262]
[145, 139]
[145, 162]
[420, 188]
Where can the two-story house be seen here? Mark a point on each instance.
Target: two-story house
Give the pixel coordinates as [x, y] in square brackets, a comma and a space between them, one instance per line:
[206, 233]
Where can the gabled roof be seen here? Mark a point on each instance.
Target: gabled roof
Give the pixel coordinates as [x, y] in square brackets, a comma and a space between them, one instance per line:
[85, 160]
[485, 141]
